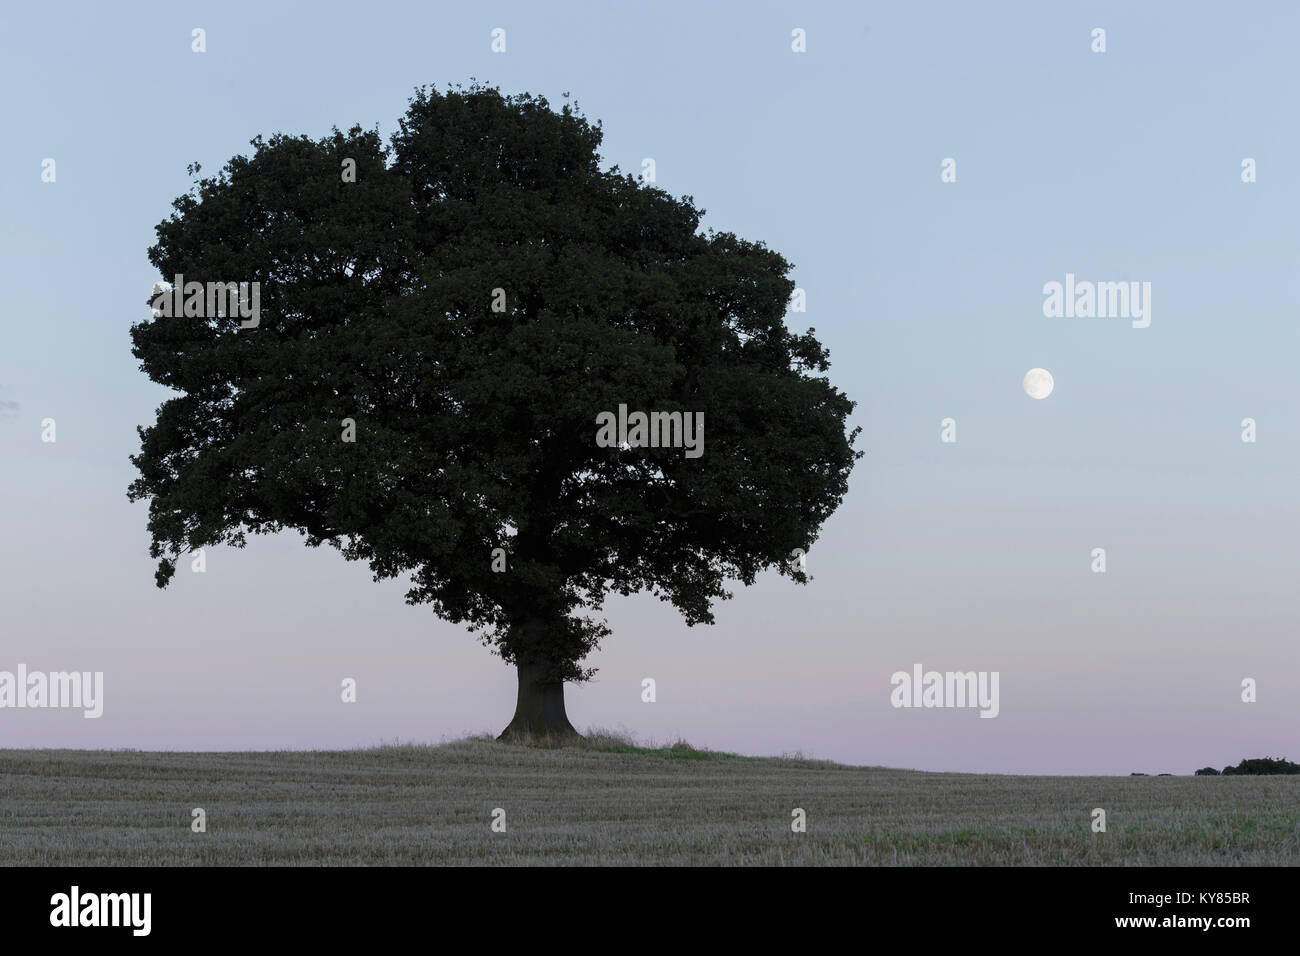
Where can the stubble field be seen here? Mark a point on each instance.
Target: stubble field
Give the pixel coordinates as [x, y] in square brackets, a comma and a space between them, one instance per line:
[435, 805]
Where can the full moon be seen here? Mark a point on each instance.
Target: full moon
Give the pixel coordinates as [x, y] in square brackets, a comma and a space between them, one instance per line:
[1038, 383]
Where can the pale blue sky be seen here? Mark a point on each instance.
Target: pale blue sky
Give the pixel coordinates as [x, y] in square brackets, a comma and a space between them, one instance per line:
[967, 556]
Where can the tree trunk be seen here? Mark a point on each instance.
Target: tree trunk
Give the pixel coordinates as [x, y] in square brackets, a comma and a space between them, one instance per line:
[539, 710]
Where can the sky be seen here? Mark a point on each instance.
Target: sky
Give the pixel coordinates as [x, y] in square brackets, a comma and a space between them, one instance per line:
[968, 555]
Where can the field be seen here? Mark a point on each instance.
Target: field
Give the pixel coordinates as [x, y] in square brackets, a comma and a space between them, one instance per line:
[611, 803]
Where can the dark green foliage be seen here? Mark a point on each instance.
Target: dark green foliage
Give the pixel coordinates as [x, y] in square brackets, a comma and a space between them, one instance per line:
[476, 429]
[1207, 772]
[1257, 766]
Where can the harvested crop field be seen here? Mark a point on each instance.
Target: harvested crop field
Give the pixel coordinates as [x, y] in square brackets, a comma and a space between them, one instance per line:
[612, 804]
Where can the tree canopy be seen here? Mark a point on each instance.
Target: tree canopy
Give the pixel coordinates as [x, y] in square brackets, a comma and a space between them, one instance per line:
[472, 298]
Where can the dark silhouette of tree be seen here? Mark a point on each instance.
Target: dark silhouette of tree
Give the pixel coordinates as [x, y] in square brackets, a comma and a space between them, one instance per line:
[472, 301]
[1262, 766]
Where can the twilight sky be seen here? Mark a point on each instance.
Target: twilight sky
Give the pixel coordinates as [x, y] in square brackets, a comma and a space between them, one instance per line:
[973, 555]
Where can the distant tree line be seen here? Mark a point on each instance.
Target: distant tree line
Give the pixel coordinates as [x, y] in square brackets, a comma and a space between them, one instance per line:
[1254, 766]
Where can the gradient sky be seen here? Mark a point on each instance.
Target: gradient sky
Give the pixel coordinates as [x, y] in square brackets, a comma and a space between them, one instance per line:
[967, 556]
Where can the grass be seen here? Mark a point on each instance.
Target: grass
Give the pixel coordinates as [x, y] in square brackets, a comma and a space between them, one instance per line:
[616, 742]
[613, 801]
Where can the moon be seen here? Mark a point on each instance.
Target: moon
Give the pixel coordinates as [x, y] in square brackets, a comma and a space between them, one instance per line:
[1038, 383]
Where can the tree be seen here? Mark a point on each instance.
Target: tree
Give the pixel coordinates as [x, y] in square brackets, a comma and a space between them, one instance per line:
[1263, 766]
[472, 300]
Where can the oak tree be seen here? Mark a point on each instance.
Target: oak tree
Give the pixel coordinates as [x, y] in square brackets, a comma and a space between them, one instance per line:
[463, 303]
